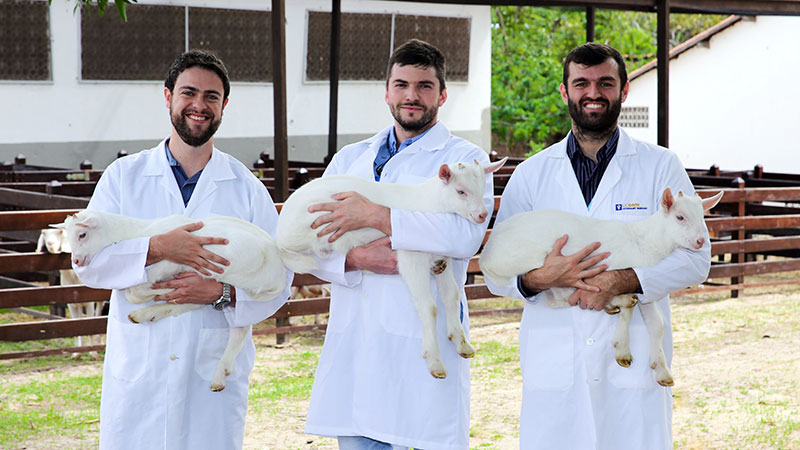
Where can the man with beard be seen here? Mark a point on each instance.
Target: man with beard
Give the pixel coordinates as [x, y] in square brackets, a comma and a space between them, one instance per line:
[156, 378]
[372, 388]
[575, 395]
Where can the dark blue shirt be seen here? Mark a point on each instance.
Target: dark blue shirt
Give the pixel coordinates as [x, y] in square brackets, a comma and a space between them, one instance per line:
[389, 149]
[185, 184]
[587, 172]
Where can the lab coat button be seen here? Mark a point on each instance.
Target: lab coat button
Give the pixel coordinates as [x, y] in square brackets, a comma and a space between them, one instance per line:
[590, 341]
[173, 357]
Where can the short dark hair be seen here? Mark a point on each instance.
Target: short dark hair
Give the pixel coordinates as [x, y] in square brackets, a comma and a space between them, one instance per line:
[200, 58]
[420, 54]
[592, 54]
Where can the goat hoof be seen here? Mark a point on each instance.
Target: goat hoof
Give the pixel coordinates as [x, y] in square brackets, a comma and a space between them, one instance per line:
[625, 361]
[666, 382]
[130, 317]
[612, 310]
[437, 369]
[465, 349]
[439, 267]
[217, 387]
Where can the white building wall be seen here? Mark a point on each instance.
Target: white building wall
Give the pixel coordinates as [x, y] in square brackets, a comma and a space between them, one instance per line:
[65, 121]
[734, 102]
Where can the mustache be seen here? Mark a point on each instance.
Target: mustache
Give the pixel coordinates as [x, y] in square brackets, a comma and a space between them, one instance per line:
[416, 104]
[595, 100]
[205, 112]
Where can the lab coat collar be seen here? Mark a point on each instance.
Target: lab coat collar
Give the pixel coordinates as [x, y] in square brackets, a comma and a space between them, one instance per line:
[610, 178]
[435, 139]
[216, 170]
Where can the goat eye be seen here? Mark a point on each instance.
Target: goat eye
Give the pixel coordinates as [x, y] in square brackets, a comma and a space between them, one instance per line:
[680, 218]
[82, 236]
[460, 192]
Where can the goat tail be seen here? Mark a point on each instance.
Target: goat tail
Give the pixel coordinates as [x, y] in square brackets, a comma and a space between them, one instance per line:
[297, 262]
[489, 274]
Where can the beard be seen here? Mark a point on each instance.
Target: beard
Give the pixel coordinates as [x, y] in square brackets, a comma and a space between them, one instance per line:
[185, 132]
[595, 124]
[414, 125]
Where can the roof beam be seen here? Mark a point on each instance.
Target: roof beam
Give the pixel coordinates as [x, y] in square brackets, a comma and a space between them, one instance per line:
[742, 7]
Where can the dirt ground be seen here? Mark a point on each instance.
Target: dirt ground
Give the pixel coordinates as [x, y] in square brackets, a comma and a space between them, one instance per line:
[736, 365]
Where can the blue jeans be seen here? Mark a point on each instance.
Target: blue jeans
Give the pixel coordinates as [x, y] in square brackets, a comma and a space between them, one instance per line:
[364, 443]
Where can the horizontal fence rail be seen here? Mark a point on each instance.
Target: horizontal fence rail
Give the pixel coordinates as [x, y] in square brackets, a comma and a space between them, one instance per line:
[737, 239]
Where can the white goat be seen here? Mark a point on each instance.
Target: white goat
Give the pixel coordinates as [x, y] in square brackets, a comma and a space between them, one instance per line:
[458, 188]
[54, 241]
[255, 265]
[520, 244]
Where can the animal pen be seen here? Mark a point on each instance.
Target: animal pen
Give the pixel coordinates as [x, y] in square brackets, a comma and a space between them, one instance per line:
[755, 230]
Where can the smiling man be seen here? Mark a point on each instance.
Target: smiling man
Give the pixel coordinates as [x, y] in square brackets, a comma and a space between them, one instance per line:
[575, 395]
[373, 389]
[156, 376]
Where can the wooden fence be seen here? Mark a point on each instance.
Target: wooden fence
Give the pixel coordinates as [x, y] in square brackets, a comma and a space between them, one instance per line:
[749, 222]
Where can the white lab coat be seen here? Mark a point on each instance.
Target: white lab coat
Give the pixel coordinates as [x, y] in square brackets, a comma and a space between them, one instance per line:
[575, 395]
[372, 380]
[156, 375]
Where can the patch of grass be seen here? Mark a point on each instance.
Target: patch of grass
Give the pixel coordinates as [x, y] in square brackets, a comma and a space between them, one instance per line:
[293, 382]
[49, 407]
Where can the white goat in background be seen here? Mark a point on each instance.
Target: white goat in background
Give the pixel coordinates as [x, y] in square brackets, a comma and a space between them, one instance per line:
[458, 188]
[255, 265]
[521, 243]
[54, 241]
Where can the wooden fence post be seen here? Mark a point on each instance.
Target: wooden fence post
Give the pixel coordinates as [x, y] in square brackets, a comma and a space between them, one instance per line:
[738, 258]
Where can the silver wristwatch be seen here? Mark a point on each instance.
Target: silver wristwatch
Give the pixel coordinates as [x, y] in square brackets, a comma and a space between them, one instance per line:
[224, 299]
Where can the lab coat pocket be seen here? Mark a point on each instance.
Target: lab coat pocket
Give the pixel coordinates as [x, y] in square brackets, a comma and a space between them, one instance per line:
[211, 344]
[342, 308]
[639, 375]
[128, 357]
[547, 359]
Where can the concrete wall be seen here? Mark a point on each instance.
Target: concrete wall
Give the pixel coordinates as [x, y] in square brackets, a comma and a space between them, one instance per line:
[734, 102]
[65, 121]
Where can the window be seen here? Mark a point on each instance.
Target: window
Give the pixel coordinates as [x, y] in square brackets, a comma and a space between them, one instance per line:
[634, 117]
[145, 46]
[24, 40]
[141, 49]
[367, 39]
[365, 46]
[241, 39]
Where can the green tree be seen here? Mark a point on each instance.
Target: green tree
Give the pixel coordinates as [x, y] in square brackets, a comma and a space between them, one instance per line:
[101, 6]
[528, 48]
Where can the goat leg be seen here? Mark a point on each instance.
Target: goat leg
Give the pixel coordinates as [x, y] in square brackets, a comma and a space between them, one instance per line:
[448, 290]
[414, 268]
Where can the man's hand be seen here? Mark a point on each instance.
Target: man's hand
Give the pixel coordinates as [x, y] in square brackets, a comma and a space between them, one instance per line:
[566, 271]
[377, 257]
[182, 247]
[607, 285]
[351, 211]
[189, 287]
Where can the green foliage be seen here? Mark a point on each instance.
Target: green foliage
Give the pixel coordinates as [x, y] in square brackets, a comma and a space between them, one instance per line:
[528, 48]
[101, 6]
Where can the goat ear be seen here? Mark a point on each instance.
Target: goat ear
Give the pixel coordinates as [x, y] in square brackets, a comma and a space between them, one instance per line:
[493, 167]
[711, 202]
[667, 200]
[444, 173]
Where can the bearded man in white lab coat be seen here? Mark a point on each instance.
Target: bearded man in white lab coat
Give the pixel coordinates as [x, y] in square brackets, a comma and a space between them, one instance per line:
[372, 388]
[575, 395]
[156, 376]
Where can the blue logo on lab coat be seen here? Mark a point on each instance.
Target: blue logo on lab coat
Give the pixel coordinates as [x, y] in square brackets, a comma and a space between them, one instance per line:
[618, 207]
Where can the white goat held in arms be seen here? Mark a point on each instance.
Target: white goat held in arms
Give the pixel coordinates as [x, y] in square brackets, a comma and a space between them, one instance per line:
[458, 188]
[521, 243]
[255, 265]
[54, 241]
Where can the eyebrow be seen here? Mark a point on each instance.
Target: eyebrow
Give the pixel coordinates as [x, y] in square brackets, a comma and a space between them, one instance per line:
[607, 78]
